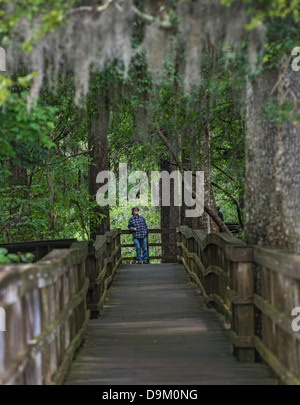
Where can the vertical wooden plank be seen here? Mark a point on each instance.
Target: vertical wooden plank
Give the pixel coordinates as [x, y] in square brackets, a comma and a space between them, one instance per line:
[296, 303]
[53, 357]
[243, 314]
[285, 348]
[28, 312]
[2, 352]
[267, 329]
[37, 320]
[39, 368]
[16, 329]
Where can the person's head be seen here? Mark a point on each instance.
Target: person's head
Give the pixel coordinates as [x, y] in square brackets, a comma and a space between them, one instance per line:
[135, 210]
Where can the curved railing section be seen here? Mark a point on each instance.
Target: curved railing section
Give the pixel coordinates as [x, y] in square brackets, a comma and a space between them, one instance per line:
[45, 308]
[45, 316]
[256, 289]
[103, 261]
[220, 264]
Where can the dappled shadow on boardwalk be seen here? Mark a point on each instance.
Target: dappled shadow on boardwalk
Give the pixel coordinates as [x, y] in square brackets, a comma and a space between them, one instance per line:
[155, 329]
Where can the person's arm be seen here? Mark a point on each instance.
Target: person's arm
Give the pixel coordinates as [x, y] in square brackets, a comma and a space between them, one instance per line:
[131, 227]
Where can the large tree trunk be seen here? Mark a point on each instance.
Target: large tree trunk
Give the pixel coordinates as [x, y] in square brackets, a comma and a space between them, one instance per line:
[205, 222]
[272, 193]
[97, 139]
[259, 144]
[283, 228]
[170, 217]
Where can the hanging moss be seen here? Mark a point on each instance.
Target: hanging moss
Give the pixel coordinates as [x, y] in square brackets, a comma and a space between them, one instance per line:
[93, 37]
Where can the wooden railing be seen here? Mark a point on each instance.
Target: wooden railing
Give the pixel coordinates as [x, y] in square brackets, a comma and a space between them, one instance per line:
[45, 316]
[102, 263]
[277, 293]
[162, 244]
[47, 306]
[219, 264]
[255, 289]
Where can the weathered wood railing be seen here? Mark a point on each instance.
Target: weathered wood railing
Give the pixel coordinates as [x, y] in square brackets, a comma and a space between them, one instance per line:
[162, 244]
[102, 263]
[219, 265]
[45, 316]
[277, 293]
[256, 289]
[47, 306]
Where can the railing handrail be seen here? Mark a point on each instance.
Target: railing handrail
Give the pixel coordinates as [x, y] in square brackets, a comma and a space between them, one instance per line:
[238, 266]
[48, 305]
[162, 244]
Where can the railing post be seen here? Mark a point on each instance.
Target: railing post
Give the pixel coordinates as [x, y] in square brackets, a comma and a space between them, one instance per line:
[148, 252]
[243, 322]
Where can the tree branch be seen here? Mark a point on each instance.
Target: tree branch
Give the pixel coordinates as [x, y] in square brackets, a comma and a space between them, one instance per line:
[88, 9]
[68, 157]
[165, 23]
[81, 217]
[60, 134]
[222, 171]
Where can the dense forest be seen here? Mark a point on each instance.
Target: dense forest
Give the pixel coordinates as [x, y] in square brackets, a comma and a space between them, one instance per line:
[160, 85]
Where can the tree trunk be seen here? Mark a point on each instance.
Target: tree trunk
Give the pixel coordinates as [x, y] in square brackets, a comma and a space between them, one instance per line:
[283, 230]
[205, 222]
[272, 196]
[49, 176]
[19, 178]
[259, 143]
[97, 140]
[170, 217]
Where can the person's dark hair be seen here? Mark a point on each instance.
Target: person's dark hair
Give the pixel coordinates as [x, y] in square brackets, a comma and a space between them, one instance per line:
[134, 209]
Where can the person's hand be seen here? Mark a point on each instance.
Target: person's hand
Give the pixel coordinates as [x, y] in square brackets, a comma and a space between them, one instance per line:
[134, 229]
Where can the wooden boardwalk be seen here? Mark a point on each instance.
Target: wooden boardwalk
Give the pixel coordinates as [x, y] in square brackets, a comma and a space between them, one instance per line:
[155, 329]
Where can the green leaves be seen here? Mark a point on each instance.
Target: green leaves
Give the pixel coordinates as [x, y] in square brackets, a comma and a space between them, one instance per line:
[20, 257]
[25, 134]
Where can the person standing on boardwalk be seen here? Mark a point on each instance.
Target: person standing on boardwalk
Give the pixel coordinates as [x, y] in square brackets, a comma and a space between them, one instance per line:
[139, 229]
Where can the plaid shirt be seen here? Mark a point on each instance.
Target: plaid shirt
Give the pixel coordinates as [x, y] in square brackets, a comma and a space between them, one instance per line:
[140, 224]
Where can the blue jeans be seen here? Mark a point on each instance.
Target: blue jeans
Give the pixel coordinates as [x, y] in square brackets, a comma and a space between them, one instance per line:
[141, 243]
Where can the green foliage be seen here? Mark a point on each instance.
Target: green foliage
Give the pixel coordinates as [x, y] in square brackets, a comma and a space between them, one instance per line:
[40, 141]
[20, 257]
[260, 10]
[280, 114]
[49, 141]
[24, 134]
[282, 37]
